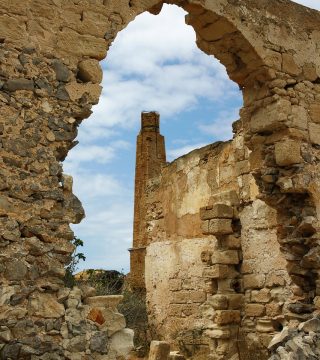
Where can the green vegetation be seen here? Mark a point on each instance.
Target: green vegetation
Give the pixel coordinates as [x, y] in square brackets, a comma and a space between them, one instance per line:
[76, 257]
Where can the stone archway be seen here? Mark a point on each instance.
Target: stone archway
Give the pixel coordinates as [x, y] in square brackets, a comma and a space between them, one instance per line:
[49, 80]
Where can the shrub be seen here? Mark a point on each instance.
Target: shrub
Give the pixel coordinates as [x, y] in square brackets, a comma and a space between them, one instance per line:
[69, 278]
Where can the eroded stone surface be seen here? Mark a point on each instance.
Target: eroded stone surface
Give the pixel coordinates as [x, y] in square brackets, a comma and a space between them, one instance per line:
[49, 80]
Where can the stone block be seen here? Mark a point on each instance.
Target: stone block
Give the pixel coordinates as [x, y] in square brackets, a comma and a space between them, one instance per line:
[275, 280]
[261, 296]
[287, 152]
[89, 70]
[76, 91]
[310, 325]
[226, 172]
[62, 72]
[310, 72]
[81, 45]
[198, 296]
[227, 257]
[289, 65]
[254, 310]
[231, 242]
[235, 301]
[216, 30]
[216, 211]
[271, 117]
[182, 310]
[299, 117]
[12, 29]
[220, 227]
[314, 112]
[121, 343]
[242, 167]
[314, 133]
[219, 333]
[19, 84]
[229, 197]
[159, 350]
[273, 59]
[224, 317]
[217, 271]
[180, 297]
[219, 302]
[185, 296]
[264, 326]
[205, 227]
[253, 281]
[114, 321]
[45, 306]
[273, 309]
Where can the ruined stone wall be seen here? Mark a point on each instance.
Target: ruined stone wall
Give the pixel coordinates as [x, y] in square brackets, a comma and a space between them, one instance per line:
[213, 263]
[49, 80]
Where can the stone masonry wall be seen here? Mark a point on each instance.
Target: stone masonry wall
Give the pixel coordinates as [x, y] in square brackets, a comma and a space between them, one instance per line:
[213, 263]
[49, 80]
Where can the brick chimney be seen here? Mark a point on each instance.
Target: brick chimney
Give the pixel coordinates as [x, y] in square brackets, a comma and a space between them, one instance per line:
[150, 158]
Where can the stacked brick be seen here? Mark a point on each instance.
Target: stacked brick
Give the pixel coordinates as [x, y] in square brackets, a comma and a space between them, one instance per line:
[222, 271]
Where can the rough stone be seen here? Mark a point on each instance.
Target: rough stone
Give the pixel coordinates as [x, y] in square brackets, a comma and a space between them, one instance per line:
[225, 257]
[121, 343]
[99, 342]
[49, 53]
[61, 70]
[90, 71]
[254, 310]
[253, 281]
[220, 227]
[288, 153]
[314, 132]
[216, 211]
[19, 84]
[44, 305]
[159, 350]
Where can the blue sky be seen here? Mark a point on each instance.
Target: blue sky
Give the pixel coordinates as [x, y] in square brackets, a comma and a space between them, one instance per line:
[154, 64]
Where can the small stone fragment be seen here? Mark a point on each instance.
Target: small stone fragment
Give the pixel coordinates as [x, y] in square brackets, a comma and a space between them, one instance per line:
[61, 70]
[19, 84]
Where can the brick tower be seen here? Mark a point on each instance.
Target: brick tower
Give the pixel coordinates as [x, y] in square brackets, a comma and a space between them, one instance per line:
[150, 157]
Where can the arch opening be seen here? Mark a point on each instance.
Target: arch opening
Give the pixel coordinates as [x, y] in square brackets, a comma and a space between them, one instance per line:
[197, 103]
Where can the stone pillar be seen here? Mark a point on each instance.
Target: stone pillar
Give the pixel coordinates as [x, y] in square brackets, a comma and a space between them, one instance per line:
[225, 299]
[150, 157]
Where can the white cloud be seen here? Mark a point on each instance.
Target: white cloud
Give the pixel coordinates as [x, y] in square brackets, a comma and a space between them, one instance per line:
[95, 153]
[98, 154]
[177, 152]
[221, 127]
[96, 186]
[152, 40]
[107, 235]
[149, 68]
[314, 4]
